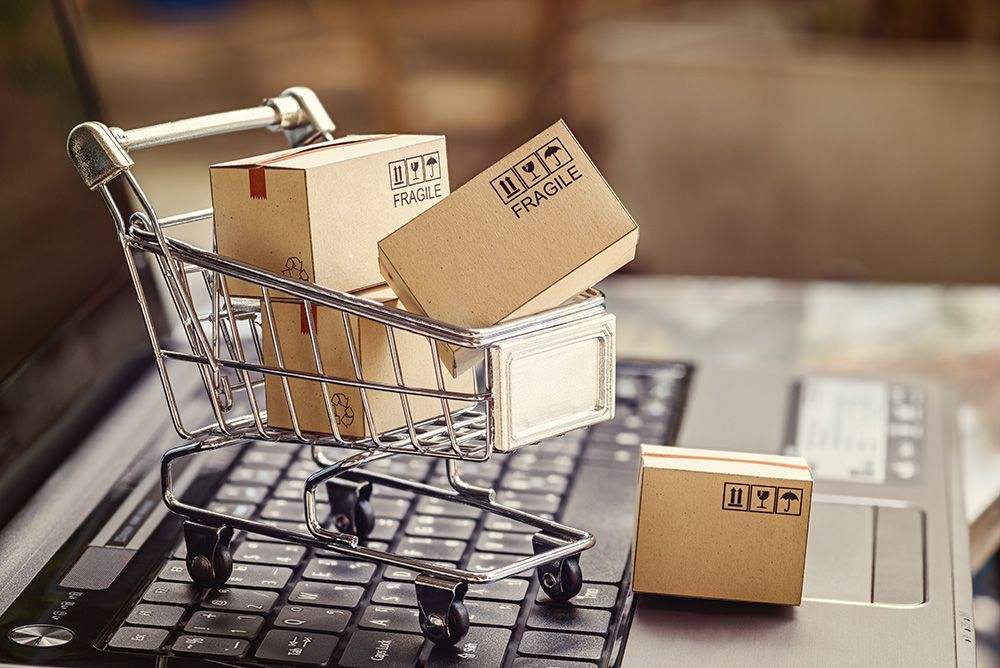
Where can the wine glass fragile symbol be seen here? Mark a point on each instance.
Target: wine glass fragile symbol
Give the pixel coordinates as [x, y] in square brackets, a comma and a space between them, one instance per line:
[762, 495]
[529, 168]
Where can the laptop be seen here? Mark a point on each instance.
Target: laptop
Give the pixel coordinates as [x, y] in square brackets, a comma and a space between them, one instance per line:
[92, 570]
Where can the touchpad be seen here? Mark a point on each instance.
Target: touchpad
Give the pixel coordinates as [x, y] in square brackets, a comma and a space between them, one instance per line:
[864, 554]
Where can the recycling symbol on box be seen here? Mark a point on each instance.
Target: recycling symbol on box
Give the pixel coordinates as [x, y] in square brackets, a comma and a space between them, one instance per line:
[295, 268]
[342, 410]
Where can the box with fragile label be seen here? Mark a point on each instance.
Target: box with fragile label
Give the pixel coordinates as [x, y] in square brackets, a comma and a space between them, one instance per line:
[530, 232]
[316, 213]
[375, 360]
[721, 525]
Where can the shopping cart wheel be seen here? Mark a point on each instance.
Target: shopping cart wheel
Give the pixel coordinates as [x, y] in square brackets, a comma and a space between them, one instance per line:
[351, 508]
[209, 561]
[444, 619]
[561, 579]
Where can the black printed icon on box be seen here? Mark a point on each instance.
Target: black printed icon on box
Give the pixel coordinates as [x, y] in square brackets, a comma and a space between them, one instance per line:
[555, 155]
[432, 166]
[735, 496]
[789, 501]
[508, 185]
[414, 170]
[397, 174]
[762, 499]
[531, 170]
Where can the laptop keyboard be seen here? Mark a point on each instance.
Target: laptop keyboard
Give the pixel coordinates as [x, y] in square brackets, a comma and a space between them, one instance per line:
[293, 605]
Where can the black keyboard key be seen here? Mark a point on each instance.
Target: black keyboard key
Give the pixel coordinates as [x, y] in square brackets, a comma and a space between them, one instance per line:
[522, 481]
[293, 527]
[268, 457]
[493, 613]
[242, 510]
[151, 614]
[561, 645]
[568, 618]
[602, 596]
[259, 577]
[534, 662]
[431, 506]
[596, 503]
[482, 647]
[297, 647]
[371, 649]
[480, 562]
[326, 594]
[139, 639]
[508, 589]
[240, 600]
[175, 571]
[507, 543]
[531, 503]
[385, 529]
[408, 468]
[272, 554]
[434, 549]
[177, 593]
[339, 570]
[440, 527]
[254, 476]
[499, 523]
[285, 510]
[395, 593]
[311, 618]
[243, 493]
[214, 623]
[537, 462]
[300, 470]
[213, 647]
[394, 509]
[293, 490]
[391, 618]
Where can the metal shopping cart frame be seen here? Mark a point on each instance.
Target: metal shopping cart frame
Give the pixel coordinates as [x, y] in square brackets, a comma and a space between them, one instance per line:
[569, 349]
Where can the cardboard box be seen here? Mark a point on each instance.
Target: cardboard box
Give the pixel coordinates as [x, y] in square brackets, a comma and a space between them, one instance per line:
[415, 360]
[316, 213]
[721, 525]
[530, 232]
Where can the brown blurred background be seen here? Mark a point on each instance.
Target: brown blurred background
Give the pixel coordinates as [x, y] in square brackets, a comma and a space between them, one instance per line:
[854, 139]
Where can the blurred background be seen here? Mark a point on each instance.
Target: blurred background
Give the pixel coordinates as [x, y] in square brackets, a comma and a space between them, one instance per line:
[854, 140]
[846, 139]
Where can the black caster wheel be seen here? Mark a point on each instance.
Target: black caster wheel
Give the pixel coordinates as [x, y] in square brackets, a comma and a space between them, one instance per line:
[209, 561]
[561, 581]
[438, 633]
[351, 508]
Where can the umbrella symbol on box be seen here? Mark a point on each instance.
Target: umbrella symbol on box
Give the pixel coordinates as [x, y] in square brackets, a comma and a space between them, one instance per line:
[788, 498]
[430, 165]
[551, 152]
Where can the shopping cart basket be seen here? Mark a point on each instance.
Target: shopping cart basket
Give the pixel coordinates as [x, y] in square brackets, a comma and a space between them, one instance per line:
[540, 376]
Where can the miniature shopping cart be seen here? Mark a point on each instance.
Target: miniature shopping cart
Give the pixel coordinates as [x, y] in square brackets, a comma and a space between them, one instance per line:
[540, 376]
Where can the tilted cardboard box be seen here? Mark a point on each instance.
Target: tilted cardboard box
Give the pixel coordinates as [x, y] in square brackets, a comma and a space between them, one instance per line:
[721, 525]
[530, 232]
[415, 360]
[316, 213]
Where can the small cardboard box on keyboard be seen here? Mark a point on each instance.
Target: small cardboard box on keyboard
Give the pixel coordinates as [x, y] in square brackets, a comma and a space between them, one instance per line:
[316, 213]
[530, 232]
[375, 361]
[721, 525]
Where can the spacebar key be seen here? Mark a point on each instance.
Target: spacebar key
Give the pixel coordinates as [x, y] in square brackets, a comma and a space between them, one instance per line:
[602, 501]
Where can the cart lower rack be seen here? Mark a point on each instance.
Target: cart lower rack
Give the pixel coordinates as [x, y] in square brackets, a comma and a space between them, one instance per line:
[539, 376]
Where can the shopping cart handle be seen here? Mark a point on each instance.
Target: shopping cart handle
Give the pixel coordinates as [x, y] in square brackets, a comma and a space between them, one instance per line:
[101, 152]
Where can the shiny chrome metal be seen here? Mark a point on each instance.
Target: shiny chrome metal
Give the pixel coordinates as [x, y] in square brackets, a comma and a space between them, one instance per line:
[223, 338]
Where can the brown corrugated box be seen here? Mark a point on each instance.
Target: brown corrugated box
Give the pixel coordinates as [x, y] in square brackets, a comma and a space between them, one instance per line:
[415, 360]
[317, 213]
[530, 232]
[721, 525]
